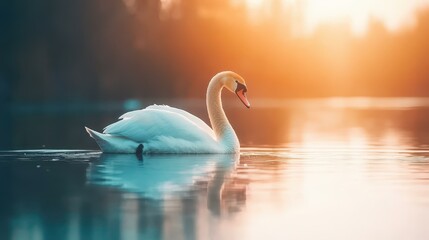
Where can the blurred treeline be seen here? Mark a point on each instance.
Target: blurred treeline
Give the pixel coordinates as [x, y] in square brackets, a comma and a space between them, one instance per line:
[91, 50]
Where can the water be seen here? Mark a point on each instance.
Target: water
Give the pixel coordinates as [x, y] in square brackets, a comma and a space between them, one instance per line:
[310, 169]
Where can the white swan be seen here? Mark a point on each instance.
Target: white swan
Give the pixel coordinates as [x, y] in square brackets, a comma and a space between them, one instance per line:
[164, 129]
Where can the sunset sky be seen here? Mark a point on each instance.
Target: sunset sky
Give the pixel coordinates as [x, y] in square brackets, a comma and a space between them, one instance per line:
[309, 14]
[395, 14]
[171, 48]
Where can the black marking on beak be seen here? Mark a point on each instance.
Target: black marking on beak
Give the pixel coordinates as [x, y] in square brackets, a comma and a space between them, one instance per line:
[240, 87]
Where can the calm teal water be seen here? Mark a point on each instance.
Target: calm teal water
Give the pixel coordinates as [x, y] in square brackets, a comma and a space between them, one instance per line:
[333, 169]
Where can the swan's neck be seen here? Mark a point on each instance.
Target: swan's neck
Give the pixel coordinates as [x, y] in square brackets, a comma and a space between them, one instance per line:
[223, 130]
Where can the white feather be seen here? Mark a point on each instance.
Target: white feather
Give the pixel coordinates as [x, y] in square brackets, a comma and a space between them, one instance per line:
[163, 129]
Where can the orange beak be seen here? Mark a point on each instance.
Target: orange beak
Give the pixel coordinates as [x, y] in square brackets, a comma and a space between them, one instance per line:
[241, 93]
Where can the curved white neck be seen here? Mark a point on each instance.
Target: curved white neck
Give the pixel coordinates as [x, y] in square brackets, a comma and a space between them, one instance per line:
[222, 128]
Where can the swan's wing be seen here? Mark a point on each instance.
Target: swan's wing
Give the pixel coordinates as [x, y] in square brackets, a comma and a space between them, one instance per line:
[197, 121]
[152, 123]
[191, 117]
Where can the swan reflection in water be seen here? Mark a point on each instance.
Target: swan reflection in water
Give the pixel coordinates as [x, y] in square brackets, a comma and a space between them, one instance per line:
[171, 176]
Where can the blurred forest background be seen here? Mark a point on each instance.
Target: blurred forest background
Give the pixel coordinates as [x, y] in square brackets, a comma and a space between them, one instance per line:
[96, 50]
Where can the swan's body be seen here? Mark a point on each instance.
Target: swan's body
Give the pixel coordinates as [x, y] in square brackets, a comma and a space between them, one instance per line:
[164, 129]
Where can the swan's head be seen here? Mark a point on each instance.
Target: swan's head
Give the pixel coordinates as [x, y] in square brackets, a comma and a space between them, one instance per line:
[236, 84]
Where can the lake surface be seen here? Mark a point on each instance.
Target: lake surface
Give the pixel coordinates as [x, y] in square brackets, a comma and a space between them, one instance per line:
[309, 169]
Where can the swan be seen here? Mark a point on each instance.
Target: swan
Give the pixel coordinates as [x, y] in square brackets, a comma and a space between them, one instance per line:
[164, 129]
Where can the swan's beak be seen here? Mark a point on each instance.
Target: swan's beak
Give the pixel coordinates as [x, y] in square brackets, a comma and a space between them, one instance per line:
[241, 93]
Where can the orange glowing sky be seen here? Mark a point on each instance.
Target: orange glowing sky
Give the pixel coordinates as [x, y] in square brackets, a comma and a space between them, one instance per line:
[309, 14]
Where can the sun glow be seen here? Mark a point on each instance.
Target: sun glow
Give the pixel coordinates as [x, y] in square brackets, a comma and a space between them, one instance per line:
[394, 14]
[310, 14]
[254, 4]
